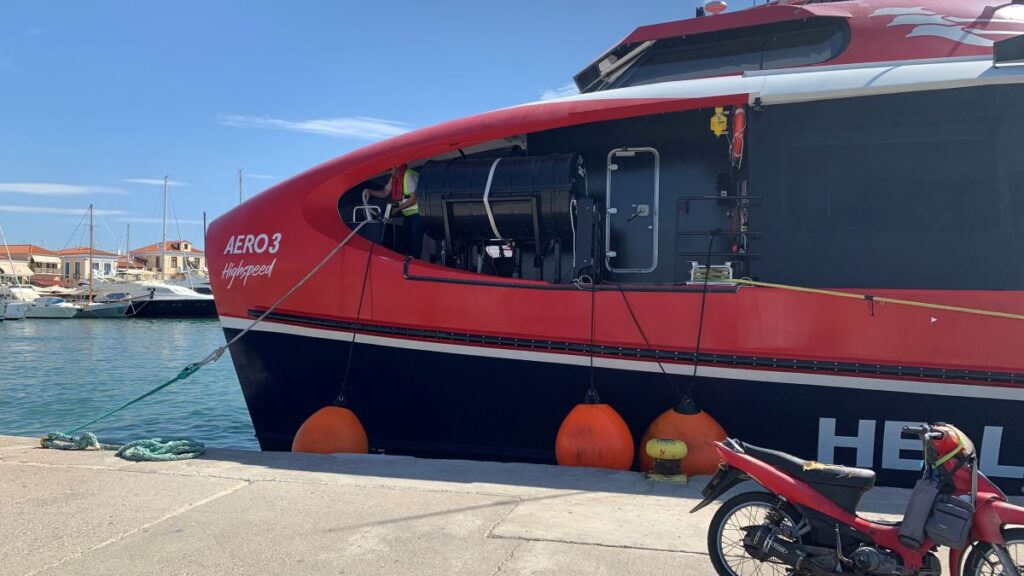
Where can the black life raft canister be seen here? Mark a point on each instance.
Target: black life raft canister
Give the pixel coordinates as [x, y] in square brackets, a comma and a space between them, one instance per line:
[513, 198]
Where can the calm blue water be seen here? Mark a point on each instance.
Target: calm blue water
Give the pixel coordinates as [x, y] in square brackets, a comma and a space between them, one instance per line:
[59, 374]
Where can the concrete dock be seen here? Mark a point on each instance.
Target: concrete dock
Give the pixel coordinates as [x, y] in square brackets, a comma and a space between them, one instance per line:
[238, 512]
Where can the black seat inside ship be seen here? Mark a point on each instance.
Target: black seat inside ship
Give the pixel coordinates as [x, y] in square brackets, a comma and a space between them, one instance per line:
[841, 484]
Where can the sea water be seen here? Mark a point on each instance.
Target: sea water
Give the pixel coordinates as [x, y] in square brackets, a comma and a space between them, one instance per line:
[56, 375]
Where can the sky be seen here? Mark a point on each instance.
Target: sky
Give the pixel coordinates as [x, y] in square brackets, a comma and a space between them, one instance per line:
[100, 100]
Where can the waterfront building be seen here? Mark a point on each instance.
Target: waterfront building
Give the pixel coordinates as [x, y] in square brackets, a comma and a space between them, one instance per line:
[16, 272]
[34, 264]
[75, 263]
[172, 258]
[133, 268]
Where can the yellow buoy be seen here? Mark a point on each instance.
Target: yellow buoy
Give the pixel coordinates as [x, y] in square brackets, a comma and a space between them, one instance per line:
[594, 435]
[331, 430]
[694, 427]
[666, 449]
[667, 454]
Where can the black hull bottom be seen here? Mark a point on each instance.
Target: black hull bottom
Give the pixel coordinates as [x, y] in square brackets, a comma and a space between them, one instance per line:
[435, 404]
[173, 309]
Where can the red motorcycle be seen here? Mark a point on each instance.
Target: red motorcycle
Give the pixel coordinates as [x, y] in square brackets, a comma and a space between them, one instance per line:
[806, 523]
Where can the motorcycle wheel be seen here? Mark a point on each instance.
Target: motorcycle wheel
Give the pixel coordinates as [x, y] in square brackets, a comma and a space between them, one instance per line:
[982, 561]
[725, 535]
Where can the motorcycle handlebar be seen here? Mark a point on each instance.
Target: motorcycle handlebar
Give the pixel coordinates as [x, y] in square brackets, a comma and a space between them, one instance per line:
[917, 430]
[925, 432]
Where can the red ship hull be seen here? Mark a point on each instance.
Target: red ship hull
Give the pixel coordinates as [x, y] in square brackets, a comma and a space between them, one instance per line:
[451, 362]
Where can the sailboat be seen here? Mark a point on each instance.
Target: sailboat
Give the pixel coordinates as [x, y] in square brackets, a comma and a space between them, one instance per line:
[11, 308]
[161, 299]
[100, 309]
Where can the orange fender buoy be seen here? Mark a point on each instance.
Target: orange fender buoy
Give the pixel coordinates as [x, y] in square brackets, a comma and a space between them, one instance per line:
[694, 427]
[739, 132]
[331, 430]
[593, 435]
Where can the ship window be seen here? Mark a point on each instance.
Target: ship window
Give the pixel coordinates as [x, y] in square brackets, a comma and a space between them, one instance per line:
[735, 51]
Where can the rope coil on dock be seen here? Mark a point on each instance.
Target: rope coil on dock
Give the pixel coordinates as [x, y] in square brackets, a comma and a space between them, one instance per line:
[151, 450]
[156, 449]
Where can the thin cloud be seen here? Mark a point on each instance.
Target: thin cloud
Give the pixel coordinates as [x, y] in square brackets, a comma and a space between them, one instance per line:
[262, 176]
[54, 189]
[359, 127]
[155, 181]
[561, 92]
[52, 210]
[143, 220]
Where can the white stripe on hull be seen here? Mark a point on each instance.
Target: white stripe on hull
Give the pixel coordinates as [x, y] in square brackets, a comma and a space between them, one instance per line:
[936, 388]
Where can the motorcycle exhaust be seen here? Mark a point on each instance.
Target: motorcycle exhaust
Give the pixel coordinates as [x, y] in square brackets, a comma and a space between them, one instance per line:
[765, 542]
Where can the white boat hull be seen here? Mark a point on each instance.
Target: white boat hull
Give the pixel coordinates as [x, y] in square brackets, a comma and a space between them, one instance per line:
[53, 312]
[15, 310]
[104, 310]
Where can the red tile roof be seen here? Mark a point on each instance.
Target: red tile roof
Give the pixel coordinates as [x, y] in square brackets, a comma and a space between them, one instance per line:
[83, 251]
[23, 251]
[170, 246]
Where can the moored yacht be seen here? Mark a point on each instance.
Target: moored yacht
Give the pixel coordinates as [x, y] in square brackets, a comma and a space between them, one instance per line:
[721, 212]
[13, 309]
[105, 310]
[52, 307]
[12, 304]
[17, 298]
[160, 300]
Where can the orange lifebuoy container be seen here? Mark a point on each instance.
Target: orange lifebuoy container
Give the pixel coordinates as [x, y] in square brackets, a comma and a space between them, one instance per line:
[739, 132]
[331, 430]
[594, 435]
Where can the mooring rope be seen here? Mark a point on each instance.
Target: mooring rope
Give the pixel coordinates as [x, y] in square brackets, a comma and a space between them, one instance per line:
[883, 299]
[156, 449]
[150, 450]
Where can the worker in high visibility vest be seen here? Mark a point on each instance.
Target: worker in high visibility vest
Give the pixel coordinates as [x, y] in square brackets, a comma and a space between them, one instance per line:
[401, 188]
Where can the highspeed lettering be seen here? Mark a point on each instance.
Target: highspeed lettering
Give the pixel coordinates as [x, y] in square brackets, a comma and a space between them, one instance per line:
[253, 244]
[234, 271]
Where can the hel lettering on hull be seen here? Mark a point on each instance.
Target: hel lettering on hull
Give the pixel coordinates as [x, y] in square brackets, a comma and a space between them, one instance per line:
[901, 453]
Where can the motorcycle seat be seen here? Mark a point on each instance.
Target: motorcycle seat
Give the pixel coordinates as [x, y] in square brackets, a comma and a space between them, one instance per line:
[842, 484]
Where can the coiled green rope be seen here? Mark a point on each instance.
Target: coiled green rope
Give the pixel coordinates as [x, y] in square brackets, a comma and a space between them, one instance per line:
[62, 441]
[156, 449]
[152, 450]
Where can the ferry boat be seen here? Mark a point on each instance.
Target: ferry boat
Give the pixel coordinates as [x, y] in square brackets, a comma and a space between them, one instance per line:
[813, 149]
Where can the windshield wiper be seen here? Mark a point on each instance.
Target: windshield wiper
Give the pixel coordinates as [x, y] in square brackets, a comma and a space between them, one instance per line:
[616, 69]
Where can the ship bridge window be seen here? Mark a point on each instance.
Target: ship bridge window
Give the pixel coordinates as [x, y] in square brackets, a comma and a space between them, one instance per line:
[771, 47]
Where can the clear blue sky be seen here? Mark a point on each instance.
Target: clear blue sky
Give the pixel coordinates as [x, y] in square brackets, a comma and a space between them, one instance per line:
[94, 95]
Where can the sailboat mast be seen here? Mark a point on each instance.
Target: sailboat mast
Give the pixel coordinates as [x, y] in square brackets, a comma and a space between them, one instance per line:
[10, 260]
[163, 239]
[90, 253]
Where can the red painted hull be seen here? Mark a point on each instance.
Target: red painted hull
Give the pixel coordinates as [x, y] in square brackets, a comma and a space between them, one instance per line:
[760, 336]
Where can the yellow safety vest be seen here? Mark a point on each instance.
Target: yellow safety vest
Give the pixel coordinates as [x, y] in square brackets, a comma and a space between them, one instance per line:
[408, 180]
